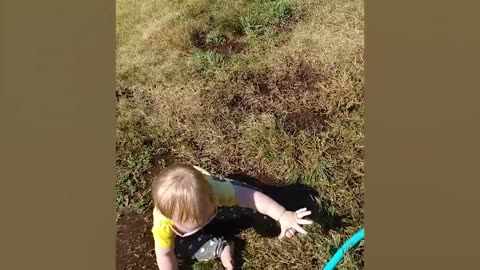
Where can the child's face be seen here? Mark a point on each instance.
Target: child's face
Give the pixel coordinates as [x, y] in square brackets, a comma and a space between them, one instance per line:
[191, 227]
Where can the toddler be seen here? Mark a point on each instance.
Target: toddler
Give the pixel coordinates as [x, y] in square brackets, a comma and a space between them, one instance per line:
[188, 198]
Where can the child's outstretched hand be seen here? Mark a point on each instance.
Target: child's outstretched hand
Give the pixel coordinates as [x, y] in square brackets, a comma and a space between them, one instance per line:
[290, 222]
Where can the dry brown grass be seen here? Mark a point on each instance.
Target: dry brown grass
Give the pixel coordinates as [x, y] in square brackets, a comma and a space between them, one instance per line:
[271, 90]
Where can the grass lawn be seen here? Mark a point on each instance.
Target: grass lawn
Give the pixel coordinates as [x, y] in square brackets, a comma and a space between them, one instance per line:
[272, 89]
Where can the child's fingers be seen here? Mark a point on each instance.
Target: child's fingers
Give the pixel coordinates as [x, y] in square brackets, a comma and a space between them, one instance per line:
[282, 234]
[304, 214]
[289, 234]
[299, 229]
[304, 221]
[301, 210]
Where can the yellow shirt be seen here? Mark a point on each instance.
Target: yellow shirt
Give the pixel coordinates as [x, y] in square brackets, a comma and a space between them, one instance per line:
[163, 234]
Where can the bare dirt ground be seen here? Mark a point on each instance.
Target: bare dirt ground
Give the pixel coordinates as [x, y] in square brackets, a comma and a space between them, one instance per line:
[135, 248]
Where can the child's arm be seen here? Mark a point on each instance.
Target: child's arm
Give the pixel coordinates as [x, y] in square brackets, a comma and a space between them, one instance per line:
[256, 200]
[166, 259]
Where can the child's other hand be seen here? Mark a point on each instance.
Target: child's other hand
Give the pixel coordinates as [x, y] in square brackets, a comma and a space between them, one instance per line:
[290, 222]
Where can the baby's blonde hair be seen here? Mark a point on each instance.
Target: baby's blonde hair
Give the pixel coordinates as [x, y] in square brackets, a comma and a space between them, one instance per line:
[183, 190]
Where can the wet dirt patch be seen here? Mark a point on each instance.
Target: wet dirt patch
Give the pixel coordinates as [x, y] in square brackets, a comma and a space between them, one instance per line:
[262, 87]
[123, 90]
[135, 247]
[275, 95]
[313, 122]
[291, 94]
[301, 78]
[241, 104]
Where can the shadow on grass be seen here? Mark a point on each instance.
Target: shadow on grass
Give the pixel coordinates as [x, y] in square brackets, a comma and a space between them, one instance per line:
[296, 196]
